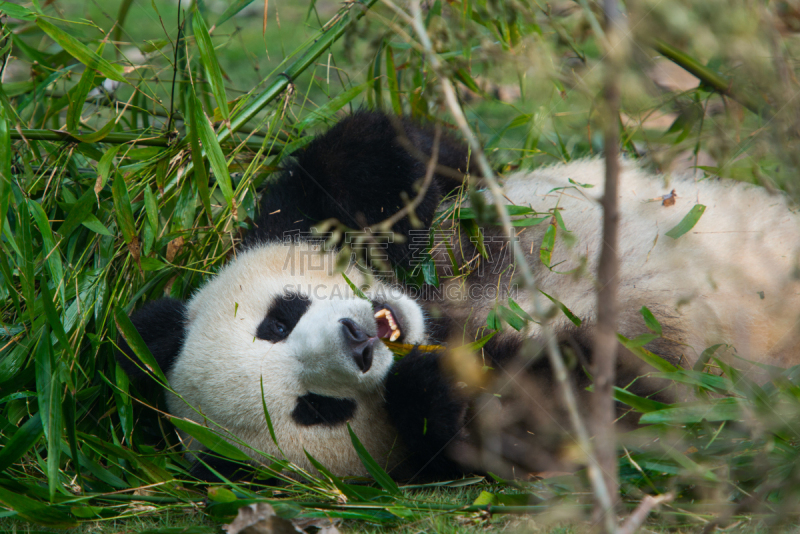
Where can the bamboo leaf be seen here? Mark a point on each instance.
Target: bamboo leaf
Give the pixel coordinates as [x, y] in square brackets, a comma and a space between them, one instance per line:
[137, 344]
[48, 388]
[48, 240]
[571, 316]
[334, 105]
[5, 165]
[393, 82]
[232, 10]
[80, 52]
[213, 151]
[36, 511]
[548, 244]
[22, 440]
[77, 95]
[122, 208]
[688, 222]
[650, 320]
[200, 174]
[208, 58]
[373, 468]
[210, 439]
[645, 355]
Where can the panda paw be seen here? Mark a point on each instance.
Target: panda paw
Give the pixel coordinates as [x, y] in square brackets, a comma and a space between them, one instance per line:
[428, 413]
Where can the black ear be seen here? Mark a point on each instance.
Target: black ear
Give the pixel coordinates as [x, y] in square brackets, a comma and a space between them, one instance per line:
[359, 173]
[162, 325]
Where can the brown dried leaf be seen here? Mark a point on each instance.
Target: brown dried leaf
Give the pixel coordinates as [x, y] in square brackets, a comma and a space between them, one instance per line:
[173, 247]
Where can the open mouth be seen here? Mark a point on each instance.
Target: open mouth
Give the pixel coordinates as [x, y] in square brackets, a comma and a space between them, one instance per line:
[389, 326]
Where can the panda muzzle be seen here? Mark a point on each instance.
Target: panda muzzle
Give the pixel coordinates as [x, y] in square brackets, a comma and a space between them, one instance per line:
[360, 343]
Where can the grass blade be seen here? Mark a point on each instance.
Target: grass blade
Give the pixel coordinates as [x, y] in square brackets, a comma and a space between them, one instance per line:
[373, 468]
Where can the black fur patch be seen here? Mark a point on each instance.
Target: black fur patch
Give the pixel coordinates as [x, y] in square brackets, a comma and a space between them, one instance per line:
[313, 409]
[428, 414]
[162, 325]
[357, 173]
[282, 316]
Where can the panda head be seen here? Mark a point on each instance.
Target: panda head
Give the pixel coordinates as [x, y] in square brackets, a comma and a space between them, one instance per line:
[279, 319]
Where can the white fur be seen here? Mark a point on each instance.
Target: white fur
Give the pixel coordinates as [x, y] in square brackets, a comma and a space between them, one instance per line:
[706, 285]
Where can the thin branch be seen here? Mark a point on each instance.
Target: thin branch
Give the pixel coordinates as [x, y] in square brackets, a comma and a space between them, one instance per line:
[605, 345]
[554, 354]
[638, 516]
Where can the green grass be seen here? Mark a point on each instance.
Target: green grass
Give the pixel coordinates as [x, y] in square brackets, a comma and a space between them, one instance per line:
[95, 226]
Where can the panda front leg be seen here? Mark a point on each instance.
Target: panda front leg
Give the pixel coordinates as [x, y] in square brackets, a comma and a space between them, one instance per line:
[428, 413]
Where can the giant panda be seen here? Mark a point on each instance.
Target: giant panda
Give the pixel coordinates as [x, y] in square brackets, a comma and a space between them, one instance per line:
[281, 316]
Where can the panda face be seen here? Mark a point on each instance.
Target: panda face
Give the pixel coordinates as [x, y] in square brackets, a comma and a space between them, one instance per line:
[266, 320]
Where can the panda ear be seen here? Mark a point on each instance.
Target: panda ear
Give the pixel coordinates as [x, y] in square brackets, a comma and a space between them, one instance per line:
[162, 325]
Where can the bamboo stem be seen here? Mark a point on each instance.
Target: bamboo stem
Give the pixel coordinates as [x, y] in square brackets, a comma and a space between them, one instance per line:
[709, 77]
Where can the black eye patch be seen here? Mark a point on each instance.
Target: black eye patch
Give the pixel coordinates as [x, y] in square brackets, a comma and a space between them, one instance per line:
[282, 316]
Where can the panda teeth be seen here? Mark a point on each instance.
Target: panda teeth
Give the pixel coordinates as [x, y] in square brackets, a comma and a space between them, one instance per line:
[386, 314]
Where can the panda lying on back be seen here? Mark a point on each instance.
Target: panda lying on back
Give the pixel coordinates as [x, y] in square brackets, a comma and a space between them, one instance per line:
[281, 315]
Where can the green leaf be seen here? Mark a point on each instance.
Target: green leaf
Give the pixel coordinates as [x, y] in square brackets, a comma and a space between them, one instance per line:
[213, 151]
[48, 388]
[104, 168]
[705, 356]
[728, 409]
[548, 244]
[640, 404]
[16, 12]
[200, 174]
[77, 213]
[515, 321]
[393, 82]
[360, 294]
[210, 439]
[122, 208]
[331, 107]
[477, 345]
[234, 8]
[571, 316]
[645, 355]
[348, 490]
[93, 223]
[688, 222]
[36, 511]
[80, 52]
[48, 240]
[53, 318]
[22, 440]
[650, 320]
[5, 165]
[373, 468]
[268, 418]
[642, 340]
[77, 96]
[209, 60]
[137, 344]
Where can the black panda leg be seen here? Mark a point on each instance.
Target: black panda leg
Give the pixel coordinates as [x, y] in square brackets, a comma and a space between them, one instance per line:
[428, 414]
